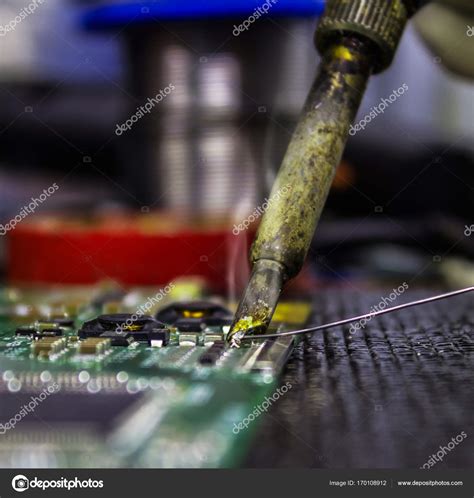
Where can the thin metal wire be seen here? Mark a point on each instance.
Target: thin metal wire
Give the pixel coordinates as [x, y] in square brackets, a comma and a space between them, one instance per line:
[361, 317]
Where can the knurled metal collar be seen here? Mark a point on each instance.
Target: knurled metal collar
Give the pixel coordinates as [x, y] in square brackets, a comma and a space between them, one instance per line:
[381, 21]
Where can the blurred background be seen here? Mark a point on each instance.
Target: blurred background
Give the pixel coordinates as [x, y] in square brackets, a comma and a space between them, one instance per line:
[167, 192]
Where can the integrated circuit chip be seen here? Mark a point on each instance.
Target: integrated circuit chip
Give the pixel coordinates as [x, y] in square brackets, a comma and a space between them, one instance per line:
[122, 329]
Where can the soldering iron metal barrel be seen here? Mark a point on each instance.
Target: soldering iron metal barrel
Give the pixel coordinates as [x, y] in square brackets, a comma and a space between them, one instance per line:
[303, 182]
[355, 38]
[312, 157]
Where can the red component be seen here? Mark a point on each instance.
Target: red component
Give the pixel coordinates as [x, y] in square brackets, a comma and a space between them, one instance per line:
[141, 250]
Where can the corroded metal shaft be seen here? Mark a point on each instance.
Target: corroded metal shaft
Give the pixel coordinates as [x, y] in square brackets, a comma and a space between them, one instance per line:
[259, 301]
[306, 175]
[312, 157]
[356, 38]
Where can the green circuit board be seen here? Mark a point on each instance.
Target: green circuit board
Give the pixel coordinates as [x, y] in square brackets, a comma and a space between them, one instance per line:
[86, 380]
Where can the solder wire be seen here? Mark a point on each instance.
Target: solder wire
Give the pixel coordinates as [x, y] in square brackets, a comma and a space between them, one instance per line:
[411, 304]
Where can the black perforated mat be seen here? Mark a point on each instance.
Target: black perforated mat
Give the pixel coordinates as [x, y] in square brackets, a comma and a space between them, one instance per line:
[389, 396]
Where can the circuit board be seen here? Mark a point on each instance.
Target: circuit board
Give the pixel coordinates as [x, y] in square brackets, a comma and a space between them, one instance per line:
[99, 377]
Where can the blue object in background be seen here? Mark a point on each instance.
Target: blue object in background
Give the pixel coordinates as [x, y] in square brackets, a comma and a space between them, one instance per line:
[109, 16]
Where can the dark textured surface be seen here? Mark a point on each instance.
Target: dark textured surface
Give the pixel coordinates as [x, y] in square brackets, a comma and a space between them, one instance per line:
[390, 396]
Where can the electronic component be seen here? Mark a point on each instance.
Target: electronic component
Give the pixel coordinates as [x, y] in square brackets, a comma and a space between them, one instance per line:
[126, 322]
[195, 315]
[117, 339]
[271, 355]
[68, 424]
[94, 345]
[40, 329]
[25, 331]
[189, 324]
[211, 337]
[190, 339]
[61, 321]
[158, 338]
[122, 327]
[48, 346]
[210, 356]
